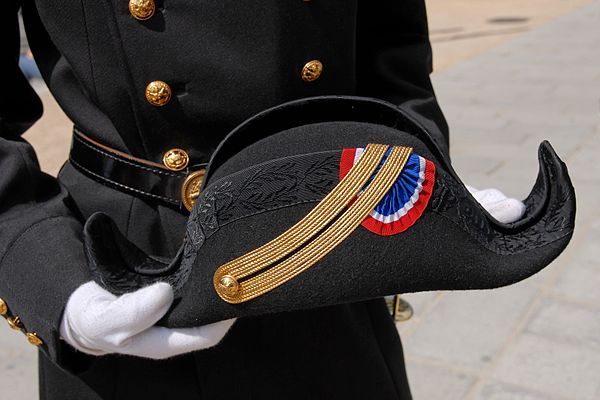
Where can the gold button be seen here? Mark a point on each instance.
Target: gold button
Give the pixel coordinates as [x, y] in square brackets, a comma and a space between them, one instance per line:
[15, 323]
[158, 93]
[33, 338]
[190, 191]
[3, 307]
[142, 9]
[229, 285]
[176, 159]
[312, 70]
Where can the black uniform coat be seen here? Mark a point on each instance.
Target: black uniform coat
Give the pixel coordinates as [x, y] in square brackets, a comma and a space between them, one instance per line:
[224, 60]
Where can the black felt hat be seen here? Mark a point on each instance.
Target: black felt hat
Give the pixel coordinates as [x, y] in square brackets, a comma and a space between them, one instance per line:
[330, 200]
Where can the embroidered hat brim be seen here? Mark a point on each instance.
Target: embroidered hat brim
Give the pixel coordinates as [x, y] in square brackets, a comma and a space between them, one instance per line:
[425, 233]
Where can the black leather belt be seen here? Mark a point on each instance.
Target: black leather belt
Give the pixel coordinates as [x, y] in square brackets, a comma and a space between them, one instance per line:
[142, 178]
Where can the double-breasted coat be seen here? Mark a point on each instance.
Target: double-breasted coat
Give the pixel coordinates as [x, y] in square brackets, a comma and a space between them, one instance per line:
[147, 76]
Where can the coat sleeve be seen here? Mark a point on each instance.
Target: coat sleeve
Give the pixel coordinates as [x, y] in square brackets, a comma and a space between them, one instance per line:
[41, 253]
[394, 60]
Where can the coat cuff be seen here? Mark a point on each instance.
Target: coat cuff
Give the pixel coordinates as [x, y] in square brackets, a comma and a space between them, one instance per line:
[38, 273]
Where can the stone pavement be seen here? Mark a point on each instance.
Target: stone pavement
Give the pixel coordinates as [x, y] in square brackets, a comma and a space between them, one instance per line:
[539, 339]
[536, 340]
[461, 29]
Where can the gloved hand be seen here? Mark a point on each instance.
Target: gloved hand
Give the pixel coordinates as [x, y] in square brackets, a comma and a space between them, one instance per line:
[503, 208]
[97, 322]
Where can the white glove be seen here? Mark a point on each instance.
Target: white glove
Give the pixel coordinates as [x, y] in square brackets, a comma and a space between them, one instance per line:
[97, 322]
[499, 206]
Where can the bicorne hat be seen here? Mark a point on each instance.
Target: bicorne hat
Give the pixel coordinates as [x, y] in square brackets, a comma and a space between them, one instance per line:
[331, 200]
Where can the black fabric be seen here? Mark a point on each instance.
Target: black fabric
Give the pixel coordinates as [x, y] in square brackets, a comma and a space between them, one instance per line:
[111, 377]
[345, 351]
[41, 254]
[236, 59]
[314, 110]
[154, 228]
[99, 64]
[455, 245]
[267, 186]
[388, 35]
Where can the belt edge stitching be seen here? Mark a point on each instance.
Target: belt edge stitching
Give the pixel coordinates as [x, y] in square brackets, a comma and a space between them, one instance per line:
[168, 199]
[175, 175]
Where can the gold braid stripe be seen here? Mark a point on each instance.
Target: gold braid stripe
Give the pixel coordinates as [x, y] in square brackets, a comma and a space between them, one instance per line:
[231, 291]
[313, 222]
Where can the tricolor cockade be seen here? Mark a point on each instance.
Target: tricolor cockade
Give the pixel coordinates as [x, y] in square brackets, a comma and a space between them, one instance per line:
[405, 202]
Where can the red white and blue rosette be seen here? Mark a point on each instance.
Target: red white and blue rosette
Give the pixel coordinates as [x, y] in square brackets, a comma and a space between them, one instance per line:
[405, 202]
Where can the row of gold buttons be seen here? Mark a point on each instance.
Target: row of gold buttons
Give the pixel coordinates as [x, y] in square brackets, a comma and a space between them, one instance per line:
[158, 93]
[15, 323]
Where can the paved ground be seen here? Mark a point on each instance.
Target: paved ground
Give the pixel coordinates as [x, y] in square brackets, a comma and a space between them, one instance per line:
[536, 340]
[539, 339]
[461, 29]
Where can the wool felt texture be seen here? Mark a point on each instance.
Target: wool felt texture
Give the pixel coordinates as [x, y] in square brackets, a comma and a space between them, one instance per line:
[345, 350]
[97, 322]
[99, 65]
[454, 245]
[238, 58]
